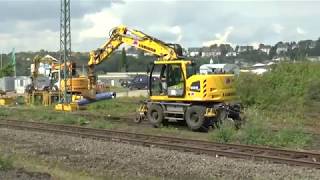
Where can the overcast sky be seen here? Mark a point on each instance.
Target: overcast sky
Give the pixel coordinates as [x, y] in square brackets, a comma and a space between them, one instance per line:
[30, 25]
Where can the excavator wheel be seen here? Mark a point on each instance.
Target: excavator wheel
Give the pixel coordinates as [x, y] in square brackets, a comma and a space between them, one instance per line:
[195, 118]
[155, 115]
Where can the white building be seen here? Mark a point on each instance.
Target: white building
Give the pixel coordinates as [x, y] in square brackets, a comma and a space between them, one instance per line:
[193, 52]
[20, 83]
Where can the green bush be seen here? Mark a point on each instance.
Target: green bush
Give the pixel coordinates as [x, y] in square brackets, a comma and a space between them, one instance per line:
[257, 132]
[4, 113]
[82, 121]
[5, 163]
[225, 134]
[293, 138]
[288, 87]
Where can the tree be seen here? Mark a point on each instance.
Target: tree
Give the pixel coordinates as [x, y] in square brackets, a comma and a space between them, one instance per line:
[7, 70]
[123, 64]
[224, 49]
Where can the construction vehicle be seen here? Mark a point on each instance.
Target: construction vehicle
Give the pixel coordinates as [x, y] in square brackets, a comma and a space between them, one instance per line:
[75, 84]
[178, 93]
[44, 81]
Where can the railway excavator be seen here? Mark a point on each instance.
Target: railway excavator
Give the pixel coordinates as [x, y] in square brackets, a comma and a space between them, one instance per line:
[176, 91]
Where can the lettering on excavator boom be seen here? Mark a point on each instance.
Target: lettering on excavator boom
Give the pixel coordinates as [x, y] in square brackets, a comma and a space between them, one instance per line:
[147, 48]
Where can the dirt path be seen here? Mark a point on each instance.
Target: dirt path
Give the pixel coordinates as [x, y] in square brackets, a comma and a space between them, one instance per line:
[115, 160]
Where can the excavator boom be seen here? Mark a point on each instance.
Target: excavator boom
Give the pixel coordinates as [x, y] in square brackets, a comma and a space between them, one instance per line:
[123, 35]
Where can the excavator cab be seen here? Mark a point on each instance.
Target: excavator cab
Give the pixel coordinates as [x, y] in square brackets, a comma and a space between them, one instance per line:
[168, 79]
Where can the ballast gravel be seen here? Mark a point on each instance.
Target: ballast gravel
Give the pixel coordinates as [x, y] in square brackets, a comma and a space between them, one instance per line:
[135, 162]
[21, 174]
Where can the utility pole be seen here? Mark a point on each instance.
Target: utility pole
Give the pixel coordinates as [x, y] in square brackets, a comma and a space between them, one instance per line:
[13, 58]
[1, 58]
[65, 42]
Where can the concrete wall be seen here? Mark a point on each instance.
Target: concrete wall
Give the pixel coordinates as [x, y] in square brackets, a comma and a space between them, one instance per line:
[135, 93]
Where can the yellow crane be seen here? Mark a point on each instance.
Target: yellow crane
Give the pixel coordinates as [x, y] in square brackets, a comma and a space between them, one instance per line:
[177, 92]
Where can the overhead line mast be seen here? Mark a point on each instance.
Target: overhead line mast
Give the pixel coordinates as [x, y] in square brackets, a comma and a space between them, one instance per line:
[65, 42]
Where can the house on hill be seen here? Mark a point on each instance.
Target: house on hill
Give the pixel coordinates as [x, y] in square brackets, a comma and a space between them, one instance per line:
[194, 52]
[264, 48]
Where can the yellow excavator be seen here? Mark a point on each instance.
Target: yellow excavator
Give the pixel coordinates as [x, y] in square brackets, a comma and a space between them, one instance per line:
[177, 92]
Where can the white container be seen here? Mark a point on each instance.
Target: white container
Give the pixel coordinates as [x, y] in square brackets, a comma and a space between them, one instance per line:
[20, 83]
[7, 84]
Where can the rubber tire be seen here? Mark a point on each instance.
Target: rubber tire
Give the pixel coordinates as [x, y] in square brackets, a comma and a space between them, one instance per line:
[202, 124]
[155, 115]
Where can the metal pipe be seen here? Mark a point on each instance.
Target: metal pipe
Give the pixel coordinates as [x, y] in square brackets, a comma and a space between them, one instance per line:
[99, 97]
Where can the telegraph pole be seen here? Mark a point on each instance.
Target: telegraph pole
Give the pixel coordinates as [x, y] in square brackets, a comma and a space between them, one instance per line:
[65, 42]
[13, 59]
[1, 58]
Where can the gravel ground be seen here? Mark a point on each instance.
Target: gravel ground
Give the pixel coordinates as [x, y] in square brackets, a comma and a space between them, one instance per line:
[21, 174]
[129, 161]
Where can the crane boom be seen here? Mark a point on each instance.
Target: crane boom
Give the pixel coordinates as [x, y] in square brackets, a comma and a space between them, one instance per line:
[123, 35]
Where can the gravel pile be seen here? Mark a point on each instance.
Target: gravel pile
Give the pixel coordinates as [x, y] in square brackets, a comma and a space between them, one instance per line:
[128, 161]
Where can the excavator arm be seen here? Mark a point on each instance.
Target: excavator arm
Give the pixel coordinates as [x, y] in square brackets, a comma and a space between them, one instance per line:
[123, 35]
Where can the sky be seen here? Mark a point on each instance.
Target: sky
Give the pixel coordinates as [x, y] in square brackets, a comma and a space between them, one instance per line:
[31, 25]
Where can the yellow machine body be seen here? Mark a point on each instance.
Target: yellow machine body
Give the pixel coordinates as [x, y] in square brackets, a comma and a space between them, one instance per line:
[6, 101]
[212, 87]
[77, 85]
[69, 107]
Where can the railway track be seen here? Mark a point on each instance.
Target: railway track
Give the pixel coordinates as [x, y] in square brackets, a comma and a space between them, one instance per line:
[290, 157]
[90, 115]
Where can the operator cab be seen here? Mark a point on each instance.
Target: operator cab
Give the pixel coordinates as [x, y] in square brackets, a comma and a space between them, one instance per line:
[169, 79]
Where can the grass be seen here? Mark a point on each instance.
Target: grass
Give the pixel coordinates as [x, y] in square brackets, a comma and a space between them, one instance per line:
[60, 170]
[285, 98]
[258, 131]
[100, 124]
[118, 89]
[225, 134]
[56, 169]
[6, 163]
[123, 106]
[288, 87]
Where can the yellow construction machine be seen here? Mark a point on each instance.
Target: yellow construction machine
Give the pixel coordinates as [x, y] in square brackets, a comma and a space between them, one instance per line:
[75, 84]
[177, 92]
